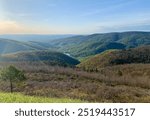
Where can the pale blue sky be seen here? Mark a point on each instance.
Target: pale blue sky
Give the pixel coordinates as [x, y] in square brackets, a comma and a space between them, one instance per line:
[73, 16]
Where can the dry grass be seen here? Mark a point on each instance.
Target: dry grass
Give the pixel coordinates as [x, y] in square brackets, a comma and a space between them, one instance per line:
[124, 83]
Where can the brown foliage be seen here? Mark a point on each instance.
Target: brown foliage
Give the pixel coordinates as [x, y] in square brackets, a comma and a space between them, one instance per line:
[107, 85]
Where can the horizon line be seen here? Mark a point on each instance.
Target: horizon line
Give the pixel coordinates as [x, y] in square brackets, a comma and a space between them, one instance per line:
[74, 33]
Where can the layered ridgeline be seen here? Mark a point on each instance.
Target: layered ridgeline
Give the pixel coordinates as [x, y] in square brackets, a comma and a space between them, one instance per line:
[34, 37]
[83, 46]
[77, 46]
[117, 57]
[11, 46]
[43, 56]
[16, 51]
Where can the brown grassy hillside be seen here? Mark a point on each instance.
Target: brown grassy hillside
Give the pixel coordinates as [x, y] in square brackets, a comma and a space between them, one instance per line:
[122, 83]
[117, 57]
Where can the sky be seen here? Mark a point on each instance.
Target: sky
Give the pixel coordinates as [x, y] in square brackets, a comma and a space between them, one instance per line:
[73, 16]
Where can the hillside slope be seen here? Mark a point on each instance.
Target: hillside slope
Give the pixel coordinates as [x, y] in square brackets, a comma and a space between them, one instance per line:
[83, 46]
[34, 37]
[11, 46]
[117, 57]
[78, 46]
[49, 57]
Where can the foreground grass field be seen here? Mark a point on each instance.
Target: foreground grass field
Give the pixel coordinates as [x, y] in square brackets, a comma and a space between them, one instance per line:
[128, 83]
[20, 98]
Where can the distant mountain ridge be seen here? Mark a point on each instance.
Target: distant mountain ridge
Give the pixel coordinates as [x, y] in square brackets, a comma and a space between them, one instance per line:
[12, 46]
[86, 45]
[34, 37]
[43, 56]
[78, 46]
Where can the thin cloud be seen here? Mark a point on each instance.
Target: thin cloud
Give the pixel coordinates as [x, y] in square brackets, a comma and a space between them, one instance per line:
[13, 27]
[17, 14]
[142, 24]
[9, 27]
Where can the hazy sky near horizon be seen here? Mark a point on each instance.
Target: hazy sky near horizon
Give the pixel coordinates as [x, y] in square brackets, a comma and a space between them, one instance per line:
[73, 16]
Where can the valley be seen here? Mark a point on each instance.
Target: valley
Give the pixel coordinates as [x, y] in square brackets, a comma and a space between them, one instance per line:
[109, 67]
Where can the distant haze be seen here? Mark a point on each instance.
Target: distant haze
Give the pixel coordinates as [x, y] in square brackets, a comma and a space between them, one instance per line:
[33, 37]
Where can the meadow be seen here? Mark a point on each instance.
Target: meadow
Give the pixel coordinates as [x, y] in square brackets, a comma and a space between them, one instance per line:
[20, 98]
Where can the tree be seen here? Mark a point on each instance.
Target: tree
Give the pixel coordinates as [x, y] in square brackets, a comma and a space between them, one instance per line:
[12, 74]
